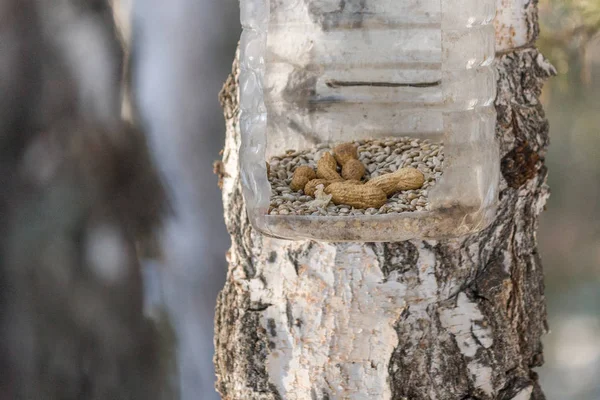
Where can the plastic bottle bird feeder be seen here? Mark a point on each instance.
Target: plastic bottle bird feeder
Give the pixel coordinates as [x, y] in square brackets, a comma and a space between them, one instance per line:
[403, 89]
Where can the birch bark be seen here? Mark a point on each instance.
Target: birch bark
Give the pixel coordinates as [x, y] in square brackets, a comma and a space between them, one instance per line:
[419, 320]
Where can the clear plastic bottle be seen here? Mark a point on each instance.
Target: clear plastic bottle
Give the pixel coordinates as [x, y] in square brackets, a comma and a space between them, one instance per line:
[397, 78]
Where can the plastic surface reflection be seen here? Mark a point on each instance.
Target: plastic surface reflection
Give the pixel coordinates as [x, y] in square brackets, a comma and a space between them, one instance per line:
[410, 85]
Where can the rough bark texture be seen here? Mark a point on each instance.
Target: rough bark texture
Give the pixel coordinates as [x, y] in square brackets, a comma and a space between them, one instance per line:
[418, 320]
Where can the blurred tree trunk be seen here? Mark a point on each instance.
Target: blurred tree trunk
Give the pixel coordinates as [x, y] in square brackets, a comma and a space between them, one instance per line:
[418, 320]
[181, 52]
[78, 191]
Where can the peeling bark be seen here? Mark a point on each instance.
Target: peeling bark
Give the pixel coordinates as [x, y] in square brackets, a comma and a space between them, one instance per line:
[418, 320]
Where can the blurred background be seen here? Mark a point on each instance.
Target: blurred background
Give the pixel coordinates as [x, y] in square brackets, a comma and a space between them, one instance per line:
[181, 55]
[569, 234]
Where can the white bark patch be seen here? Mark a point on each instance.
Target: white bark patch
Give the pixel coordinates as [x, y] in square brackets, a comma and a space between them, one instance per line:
[422, 290]
[545, 64]
[512, 24]
[422, 287]
[331, 323]
[482, 377]
[466, 323]
[524, 394]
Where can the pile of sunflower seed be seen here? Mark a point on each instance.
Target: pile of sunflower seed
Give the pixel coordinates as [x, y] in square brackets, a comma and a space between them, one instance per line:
[379, 156]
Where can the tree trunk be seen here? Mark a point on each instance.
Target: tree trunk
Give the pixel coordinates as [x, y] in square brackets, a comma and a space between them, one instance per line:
[418, 320]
